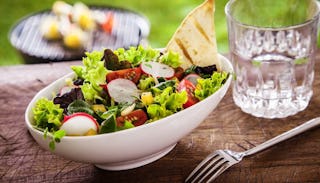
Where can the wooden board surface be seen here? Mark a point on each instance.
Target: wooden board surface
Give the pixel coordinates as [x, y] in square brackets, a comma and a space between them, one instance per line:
[22, 160]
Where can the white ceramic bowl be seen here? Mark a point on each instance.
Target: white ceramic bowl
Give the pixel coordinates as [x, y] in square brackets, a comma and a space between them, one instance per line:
[133, 147]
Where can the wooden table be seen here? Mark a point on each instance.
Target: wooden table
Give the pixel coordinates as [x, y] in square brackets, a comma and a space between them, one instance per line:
[22, 160]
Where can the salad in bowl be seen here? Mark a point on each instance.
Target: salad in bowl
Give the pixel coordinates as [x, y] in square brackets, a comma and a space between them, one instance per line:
[123, 89]
[118, 119]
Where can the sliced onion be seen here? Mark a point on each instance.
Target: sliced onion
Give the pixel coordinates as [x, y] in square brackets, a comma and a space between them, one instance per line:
[123, 90]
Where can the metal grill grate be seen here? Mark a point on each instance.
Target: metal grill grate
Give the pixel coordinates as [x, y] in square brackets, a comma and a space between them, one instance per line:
[129, 29]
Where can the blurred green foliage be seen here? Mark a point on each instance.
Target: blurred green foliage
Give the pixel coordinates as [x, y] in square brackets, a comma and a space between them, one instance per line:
[164, 16]
[273, 13]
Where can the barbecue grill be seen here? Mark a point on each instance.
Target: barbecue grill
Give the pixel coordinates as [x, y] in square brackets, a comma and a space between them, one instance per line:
[129, 29]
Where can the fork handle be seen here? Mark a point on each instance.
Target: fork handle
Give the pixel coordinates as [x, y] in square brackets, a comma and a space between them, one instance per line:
[284, 136]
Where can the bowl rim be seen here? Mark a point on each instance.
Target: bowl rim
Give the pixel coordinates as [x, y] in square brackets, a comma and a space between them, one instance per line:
[227, 67]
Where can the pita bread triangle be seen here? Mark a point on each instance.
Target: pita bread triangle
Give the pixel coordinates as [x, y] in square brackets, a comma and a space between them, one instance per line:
[195, 38]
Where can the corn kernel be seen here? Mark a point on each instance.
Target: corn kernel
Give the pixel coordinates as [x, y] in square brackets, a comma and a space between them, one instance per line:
[91, 132]
[99, 107]
[146, 98]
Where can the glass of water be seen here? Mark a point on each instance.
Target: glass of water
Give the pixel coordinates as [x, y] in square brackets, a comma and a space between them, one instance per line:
[272, 45]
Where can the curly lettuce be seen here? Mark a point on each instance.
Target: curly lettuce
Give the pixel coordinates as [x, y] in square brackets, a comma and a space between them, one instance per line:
[171, 58]
[166, 103]
[47, 114]
[156, 111]
[146, 83]
[93, 69]
[47, 118]
[91, 92]
[206, 87]
[136, 55]
[93, 73]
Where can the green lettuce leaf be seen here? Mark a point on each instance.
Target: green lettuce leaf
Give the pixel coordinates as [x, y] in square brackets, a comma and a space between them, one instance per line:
[173, 101]
[171, 58]
[109, 124]
[91, 92]
[93, 67]
[56, 137]
[166, 103]
[136, 55]
[126, 125]
[80, 106]
[93, 73]
[47, 118]
[206, 87]
[163, 85]
[47, 115]
[146, 83]
[156, 111]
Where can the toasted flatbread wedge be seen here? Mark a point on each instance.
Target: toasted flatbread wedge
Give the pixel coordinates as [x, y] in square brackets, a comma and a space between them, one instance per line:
[195, 39]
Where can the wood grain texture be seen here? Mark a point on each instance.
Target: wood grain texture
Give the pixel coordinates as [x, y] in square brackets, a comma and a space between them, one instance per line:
[22, 160]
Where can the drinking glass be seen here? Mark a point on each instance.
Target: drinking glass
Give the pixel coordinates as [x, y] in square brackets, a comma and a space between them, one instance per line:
[272, 45]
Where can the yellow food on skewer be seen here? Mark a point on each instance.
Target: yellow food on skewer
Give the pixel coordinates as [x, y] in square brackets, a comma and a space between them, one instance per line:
[50, 29]
[75, 38]
[82, 15]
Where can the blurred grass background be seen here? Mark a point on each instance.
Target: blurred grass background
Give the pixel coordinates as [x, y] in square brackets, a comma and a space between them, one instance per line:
[164, 16]
[273, 13]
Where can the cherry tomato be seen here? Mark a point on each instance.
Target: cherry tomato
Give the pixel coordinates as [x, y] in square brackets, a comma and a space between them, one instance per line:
[186, 85]
[137, 117]
[132, 74]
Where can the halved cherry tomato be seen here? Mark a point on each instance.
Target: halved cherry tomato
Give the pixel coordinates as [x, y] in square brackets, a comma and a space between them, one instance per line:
[178, 73]
[186, 85]
[137, 117]
[132, 74]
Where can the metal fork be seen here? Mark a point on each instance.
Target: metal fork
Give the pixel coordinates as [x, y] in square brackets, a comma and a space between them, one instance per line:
[217, 162]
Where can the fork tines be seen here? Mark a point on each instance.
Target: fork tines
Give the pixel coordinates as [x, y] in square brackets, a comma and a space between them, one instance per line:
[211, 167]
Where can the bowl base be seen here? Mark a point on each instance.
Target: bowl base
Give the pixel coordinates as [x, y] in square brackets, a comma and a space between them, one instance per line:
[125, 165]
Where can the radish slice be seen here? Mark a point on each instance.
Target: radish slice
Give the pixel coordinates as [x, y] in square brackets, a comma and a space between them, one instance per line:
[192, 78]
[157, 69]
[123, 90]
[79, 123]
